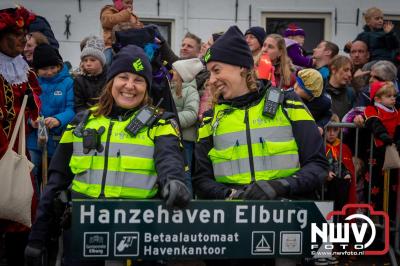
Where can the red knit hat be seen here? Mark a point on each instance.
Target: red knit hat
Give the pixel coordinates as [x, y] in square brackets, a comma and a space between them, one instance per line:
[17, 18]
[374, 88]
[293, 30]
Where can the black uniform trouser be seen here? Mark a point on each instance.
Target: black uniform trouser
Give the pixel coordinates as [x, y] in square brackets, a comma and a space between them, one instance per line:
[15, 244]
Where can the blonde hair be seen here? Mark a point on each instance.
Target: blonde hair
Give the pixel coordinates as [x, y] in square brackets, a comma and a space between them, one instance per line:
[339, 61]
[386, 89]
[284, 61]
[370, 12]
[178, 84]
[106, 100]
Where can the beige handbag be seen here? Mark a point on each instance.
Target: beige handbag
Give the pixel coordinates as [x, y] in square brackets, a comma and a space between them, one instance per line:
[392, 159]
[16, 188]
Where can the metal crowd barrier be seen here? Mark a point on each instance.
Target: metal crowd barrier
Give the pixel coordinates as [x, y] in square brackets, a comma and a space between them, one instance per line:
[394, 230]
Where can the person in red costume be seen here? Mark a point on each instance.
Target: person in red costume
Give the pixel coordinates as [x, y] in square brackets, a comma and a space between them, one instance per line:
[383, 120]
[345, 179]
[16, 80]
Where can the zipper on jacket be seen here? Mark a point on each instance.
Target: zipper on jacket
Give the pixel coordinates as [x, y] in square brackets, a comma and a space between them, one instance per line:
[249, 147]
[103, 179]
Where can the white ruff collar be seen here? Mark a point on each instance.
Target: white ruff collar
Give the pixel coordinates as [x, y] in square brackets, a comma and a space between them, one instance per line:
[14, 70]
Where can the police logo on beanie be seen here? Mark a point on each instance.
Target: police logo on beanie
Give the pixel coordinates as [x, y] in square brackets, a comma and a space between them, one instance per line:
[133, 59]
[138, 65]
[231, 48]
[207, 55]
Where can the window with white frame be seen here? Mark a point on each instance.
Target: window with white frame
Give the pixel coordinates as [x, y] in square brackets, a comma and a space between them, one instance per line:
[396, 21]
[317, 26]
[165, 27]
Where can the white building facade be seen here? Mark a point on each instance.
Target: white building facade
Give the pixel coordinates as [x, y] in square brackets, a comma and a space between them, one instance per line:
[334, 20]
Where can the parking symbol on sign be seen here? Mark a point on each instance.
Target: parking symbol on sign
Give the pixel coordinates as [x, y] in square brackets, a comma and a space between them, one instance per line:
[126, 244]
[262, 243]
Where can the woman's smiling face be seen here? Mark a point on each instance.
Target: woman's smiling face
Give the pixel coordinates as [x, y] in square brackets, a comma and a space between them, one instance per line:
[128, 90]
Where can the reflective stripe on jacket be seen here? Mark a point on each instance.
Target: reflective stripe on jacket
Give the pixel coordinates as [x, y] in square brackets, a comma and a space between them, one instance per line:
[249, 146]
[125, 168]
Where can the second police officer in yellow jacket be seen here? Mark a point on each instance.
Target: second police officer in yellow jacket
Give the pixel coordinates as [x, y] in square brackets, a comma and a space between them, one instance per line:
[123, 148]
[257, 143]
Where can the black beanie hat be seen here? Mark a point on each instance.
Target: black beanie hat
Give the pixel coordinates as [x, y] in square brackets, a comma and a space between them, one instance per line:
[231, 48]
[133, 59]
[258, 32]
[45, 55]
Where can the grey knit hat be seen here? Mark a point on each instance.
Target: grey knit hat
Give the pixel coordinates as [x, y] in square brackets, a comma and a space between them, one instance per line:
[94, 47]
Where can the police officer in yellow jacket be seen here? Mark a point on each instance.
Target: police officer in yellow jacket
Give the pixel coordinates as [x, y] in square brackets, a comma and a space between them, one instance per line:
[248, 146]
[123, 148]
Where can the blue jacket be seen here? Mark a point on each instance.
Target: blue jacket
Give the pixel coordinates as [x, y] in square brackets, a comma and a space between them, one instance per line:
[57, 101]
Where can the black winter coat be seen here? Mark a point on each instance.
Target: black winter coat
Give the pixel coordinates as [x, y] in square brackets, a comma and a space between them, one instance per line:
[87, 89]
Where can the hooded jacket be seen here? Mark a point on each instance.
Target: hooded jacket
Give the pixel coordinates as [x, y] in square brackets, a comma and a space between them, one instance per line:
[57, 101]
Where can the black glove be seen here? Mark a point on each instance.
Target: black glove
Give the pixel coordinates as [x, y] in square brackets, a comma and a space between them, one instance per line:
[35, 254]
[266, 190]
[31, 100]
[157, 32]
[175, 194]
[387, 140]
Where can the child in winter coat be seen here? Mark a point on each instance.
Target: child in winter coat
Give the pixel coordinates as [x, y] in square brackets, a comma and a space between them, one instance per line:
[89, 84]
[343, 180]
[112, 15]
[294, 39]
[382, 41]
[57, 99]
[308, 86]
[186, 97]
[383, 120]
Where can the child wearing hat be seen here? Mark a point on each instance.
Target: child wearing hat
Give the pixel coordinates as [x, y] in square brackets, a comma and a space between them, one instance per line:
[89, 84]
[187, 100]
[57, 102]
[308, 86]
[294, 39]
[381, 116]
[382, 119]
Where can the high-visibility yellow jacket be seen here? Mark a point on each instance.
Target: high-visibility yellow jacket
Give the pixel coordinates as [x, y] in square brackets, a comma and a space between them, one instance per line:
[126, 166]
[243, 146]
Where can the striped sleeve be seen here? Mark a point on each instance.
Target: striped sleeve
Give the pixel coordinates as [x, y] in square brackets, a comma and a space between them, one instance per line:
[296, 110]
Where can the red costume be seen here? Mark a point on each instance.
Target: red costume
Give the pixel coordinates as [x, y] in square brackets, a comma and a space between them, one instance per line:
[16, 80]
[347, 160]
[390, 120]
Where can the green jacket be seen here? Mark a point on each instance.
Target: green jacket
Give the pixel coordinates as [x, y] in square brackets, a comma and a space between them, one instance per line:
[188, 107]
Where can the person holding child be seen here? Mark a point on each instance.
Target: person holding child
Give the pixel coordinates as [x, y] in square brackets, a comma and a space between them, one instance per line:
[294, 39]
[382, 41]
